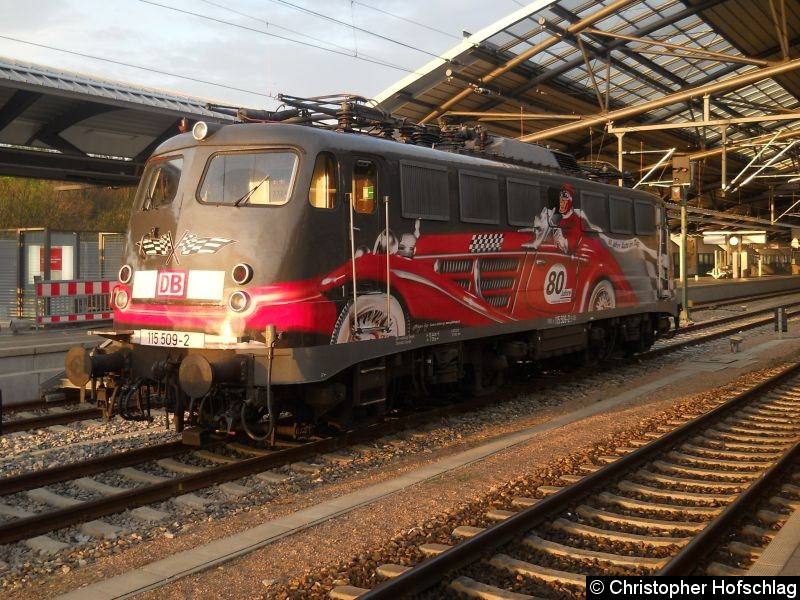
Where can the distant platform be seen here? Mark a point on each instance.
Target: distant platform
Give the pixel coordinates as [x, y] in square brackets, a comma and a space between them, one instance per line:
[708, 289]
[30, 358]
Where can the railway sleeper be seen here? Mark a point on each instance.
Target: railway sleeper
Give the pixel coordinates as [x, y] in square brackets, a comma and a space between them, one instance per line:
[771, 409]
[712, 475]
[641, 505]
[591, 513]
[92, 485]
[791, 489]
[718, 434]
[555, 549]
[778, 420]
[433, 549]
[475, 589]
[714, 498]
[718, 462]
[778, 428]
[736, 455]
[781, 502]
[702, 484]
[745, 550]
[518, 567]
[390, 570]
[498, 514]
[618, 536]
[749, 447]
[757, 532]
[717, 569]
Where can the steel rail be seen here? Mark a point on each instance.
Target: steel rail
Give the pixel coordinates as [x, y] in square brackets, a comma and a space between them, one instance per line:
[740, 299]
[431, 571]
[27, 481]
[35, 405]
[20, 529]
[83, 414]
[734, 318]
[708, 337]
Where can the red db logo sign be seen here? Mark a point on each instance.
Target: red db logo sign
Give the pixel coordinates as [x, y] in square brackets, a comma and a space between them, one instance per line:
[171, 284]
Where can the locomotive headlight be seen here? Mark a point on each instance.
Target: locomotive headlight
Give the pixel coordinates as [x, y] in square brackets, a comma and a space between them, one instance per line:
[121, 299]
[239, 301]
[125, 273]
[200, 130]
[242, 273]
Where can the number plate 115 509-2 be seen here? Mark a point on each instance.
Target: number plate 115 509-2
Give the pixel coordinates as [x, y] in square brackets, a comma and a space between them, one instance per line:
[169, 339]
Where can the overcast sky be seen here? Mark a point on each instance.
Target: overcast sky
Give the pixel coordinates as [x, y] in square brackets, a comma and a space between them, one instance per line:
[238, 44]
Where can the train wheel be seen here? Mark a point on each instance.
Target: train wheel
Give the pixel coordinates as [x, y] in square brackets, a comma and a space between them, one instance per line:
[602, 296]
[376, 320]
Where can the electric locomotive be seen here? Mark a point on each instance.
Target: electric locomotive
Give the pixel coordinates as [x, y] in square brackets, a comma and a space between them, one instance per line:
[281, 275]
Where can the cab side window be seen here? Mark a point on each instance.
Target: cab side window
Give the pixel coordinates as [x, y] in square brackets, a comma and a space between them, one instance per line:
[159, 183]
[322, 193]
[365, 186]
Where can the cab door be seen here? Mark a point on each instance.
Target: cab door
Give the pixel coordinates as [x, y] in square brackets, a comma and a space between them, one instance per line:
[364, 180]
[365, 186]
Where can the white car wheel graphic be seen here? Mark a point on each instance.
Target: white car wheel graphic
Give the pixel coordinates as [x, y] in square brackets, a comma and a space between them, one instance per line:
[602, 296]
[374, 322]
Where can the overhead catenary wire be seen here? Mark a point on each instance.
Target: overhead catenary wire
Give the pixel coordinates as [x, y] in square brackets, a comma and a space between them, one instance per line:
[133, 66]
[406, 19]
[271, 24]
[353, 26]
[281, 37]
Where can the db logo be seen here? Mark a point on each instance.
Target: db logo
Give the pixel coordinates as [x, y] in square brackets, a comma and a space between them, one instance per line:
[171, 284]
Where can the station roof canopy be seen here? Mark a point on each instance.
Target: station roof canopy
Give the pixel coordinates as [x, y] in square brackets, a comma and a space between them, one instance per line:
[56, 125]
[576, 74]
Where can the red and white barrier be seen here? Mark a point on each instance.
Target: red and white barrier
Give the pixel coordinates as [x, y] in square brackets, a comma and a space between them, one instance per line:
[49, 289]
[72, 301]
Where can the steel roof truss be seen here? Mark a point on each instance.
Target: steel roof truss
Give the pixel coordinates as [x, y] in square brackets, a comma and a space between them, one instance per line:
[681, 51]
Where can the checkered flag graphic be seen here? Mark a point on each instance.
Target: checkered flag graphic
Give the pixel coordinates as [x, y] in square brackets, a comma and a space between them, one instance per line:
[158, 246]
[486, 242]
[191, 244]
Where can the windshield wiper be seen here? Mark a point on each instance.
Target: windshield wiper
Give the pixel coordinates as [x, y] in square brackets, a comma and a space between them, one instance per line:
[250, 192]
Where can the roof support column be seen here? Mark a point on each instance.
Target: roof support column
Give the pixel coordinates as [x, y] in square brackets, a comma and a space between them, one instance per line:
[620, 181]
[680, 192]
[724, 167]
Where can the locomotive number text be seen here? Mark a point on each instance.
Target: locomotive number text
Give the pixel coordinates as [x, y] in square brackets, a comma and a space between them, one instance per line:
[171, 339]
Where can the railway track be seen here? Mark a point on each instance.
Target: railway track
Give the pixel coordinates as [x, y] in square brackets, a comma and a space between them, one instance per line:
[210, 468]
[660, 506]
[53, 417]
[181, 470]
[738, 300]
[691, 335]
[716, 329]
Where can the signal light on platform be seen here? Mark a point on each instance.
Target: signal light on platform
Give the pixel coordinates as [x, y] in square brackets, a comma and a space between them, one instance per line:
[125, 273]
[242, 273]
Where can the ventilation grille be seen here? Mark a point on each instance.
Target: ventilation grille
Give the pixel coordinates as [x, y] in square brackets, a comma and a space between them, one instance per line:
[463, 265]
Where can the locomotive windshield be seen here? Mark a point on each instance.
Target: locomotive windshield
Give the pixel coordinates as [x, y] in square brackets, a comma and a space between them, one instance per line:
[243, 178]
[159, 183]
